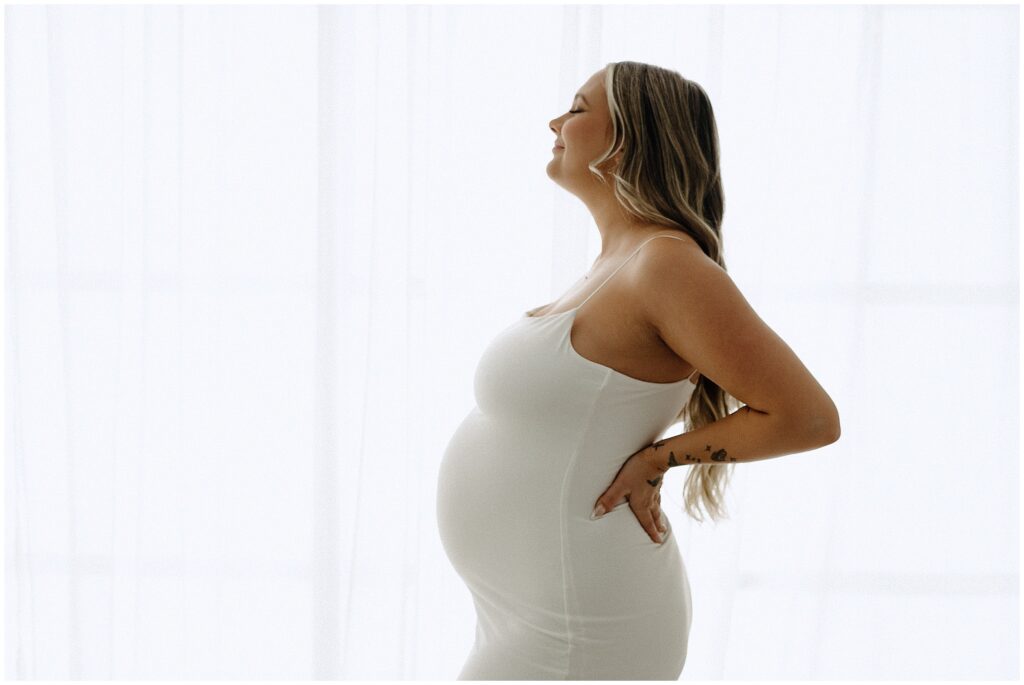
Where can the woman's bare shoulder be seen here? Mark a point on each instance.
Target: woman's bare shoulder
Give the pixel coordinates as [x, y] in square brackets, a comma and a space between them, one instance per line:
[700, 314]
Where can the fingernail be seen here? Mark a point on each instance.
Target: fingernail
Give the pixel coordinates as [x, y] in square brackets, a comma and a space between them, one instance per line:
[598, 512]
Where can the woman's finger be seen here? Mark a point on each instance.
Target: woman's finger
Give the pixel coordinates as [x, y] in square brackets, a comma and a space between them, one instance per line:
[650, 526]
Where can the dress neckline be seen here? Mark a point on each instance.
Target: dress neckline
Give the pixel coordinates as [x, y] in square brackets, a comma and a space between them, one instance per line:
[545, 316]
[602, 367]
[577, 355]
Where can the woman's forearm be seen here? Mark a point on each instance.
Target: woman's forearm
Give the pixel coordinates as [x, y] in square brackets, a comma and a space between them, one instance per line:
[745, 435]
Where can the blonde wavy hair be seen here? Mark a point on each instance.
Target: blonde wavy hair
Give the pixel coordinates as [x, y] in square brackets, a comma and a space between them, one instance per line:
[668, 173]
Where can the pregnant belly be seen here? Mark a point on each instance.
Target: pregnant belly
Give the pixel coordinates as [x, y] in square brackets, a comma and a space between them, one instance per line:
[513, 517]
[498, 504]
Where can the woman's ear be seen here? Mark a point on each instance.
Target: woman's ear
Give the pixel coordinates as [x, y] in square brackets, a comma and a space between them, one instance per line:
[614, 160]
[612, 163]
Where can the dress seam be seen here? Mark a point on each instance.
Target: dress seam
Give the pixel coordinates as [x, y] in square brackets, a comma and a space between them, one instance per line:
[566, 571]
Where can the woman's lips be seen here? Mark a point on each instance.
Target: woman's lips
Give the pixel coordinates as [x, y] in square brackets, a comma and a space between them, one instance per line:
[557, 147]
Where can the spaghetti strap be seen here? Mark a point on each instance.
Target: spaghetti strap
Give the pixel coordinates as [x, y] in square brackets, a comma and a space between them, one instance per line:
[660, 235]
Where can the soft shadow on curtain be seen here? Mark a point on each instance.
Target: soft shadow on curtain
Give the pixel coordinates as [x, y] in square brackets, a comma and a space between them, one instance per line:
[254, 252]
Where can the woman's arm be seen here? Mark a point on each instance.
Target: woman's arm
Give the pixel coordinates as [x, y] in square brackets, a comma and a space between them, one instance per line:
[700, 314]
[744, 435]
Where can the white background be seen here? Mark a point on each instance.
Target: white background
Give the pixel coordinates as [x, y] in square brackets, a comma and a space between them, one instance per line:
[254, 252]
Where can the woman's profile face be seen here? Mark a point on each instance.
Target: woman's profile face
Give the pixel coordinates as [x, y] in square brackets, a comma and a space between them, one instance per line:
[584, 132]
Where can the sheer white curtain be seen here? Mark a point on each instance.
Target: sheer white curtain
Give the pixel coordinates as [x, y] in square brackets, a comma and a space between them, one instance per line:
[253, 254]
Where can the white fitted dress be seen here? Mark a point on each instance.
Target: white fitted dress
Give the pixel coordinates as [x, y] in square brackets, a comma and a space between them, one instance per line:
[559, 596]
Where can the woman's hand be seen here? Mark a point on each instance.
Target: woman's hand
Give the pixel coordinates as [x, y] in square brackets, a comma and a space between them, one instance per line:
[639, 481]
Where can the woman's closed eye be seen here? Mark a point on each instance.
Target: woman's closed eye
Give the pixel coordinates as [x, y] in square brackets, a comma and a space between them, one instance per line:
[575, 111]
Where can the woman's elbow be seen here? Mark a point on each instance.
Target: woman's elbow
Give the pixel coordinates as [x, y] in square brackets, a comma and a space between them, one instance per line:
[829, 424]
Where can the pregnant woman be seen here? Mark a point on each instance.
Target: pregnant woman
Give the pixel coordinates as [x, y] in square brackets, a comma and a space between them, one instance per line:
[548, 494]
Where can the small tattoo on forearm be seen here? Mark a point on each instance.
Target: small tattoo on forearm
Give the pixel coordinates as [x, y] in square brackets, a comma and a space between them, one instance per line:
[655, 481]
[719, 455]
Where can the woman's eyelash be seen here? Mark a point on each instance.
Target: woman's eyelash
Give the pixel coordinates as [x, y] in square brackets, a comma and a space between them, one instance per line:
[575, 111]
